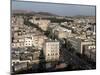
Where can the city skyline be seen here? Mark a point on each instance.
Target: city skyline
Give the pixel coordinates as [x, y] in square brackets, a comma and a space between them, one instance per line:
[47, 40]
[54, 8]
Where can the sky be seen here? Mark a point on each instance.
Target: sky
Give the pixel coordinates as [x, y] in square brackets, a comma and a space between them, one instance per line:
[59, 9]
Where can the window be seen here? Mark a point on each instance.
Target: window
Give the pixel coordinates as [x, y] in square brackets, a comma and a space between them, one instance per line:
[56, 53]
[20, 44]
[53, 54]
[48, 54]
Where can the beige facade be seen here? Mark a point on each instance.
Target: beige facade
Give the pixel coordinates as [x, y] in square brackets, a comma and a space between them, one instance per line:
[29, 40]
[17, 45]
[51, 51]
[79, 43]
[90, 43]
[43, 24]
[38, 41]
[61, 32]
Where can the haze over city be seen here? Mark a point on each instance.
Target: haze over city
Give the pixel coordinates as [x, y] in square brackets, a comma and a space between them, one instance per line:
[58, 9]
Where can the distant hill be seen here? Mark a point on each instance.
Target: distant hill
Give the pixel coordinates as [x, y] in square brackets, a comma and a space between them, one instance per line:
[46, 14]
[33, 13]
[22, 11]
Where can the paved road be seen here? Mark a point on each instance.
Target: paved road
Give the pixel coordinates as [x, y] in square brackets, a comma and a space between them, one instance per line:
[73, 59]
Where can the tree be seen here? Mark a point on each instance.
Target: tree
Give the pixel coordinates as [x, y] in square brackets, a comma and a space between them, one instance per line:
[42, 63]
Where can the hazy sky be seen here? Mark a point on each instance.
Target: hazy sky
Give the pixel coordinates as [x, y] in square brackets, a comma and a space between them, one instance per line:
[59, 9]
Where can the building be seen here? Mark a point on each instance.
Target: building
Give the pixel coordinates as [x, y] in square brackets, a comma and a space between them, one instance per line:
[93, 28]
[51, 51]
[28, 42]
[38, 41]
[90, 51]
[78, 44]
[43, 24]
[18, 42]
[17, 45]
[62, 32]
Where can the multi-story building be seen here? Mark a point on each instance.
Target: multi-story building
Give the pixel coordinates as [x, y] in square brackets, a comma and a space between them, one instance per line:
[61, 32]
[51, 51]
[18, 42]
[28, 42]
[38, 41]
[90, 51]
[78, 43]
[43, 24]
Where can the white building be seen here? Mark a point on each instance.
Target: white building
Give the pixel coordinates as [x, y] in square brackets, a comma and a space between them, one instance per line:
[28, 42]
[51, 51]
[18, 42]
[17, 45]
